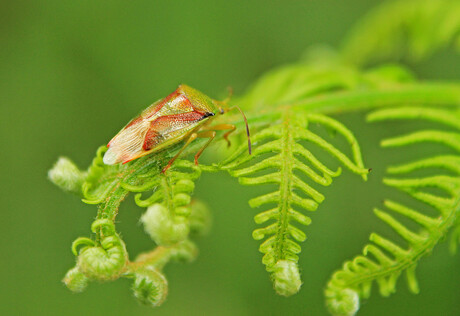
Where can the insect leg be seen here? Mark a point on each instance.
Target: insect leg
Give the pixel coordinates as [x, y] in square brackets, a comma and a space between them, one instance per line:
[204, 134]
[192, 137]
[223, 127]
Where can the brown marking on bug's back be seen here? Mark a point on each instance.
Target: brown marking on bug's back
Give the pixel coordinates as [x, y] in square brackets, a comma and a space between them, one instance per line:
[164, 125]
[164, 122]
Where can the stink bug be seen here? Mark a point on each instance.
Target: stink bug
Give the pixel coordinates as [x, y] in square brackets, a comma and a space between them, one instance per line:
[184, 114]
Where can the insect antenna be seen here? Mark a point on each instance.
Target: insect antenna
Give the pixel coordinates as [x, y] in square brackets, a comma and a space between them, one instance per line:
[247, 128]
[229, 96]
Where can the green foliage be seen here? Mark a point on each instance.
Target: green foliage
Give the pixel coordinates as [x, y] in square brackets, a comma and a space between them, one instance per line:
[410, 30]
[285, 110]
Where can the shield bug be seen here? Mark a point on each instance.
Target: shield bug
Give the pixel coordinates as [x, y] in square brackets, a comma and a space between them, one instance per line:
[185, 114]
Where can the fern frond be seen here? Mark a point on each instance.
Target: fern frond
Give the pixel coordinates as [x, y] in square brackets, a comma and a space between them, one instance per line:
[384, 260]
[404, 29]
[289, 165]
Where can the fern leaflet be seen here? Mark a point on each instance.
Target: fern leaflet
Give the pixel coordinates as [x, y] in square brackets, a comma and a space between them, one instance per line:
[383, 260]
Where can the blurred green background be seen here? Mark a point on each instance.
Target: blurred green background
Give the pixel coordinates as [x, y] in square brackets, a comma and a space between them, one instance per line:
[73, 72]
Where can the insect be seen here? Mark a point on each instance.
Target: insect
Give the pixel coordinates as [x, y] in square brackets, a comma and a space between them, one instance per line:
[185, 114]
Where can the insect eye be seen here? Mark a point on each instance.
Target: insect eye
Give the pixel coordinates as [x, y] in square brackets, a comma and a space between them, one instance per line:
[208, 114]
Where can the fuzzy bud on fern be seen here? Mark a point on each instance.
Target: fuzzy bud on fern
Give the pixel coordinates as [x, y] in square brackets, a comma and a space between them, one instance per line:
[75, 280]
[162, 228]
[66, 175]
[286, 278]
[343, 303]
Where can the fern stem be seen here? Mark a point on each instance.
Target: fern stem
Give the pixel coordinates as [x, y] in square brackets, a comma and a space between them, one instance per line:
[285, 186]
[349, 101]
[108, 209]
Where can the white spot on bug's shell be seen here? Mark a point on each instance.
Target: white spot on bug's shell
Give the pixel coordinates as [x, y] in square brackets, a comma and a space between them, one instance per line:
[110, 158]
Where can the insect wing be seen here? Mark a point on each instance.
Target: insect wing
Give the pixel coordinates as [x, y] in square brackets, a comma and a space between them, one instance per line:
[160, 125]
[127, 143]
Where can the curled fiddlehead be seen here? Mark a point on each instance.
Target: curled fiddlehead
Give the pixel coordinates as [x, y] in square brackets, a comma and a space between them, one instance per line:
[150, 287]
[105, 261]
[102, 261]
